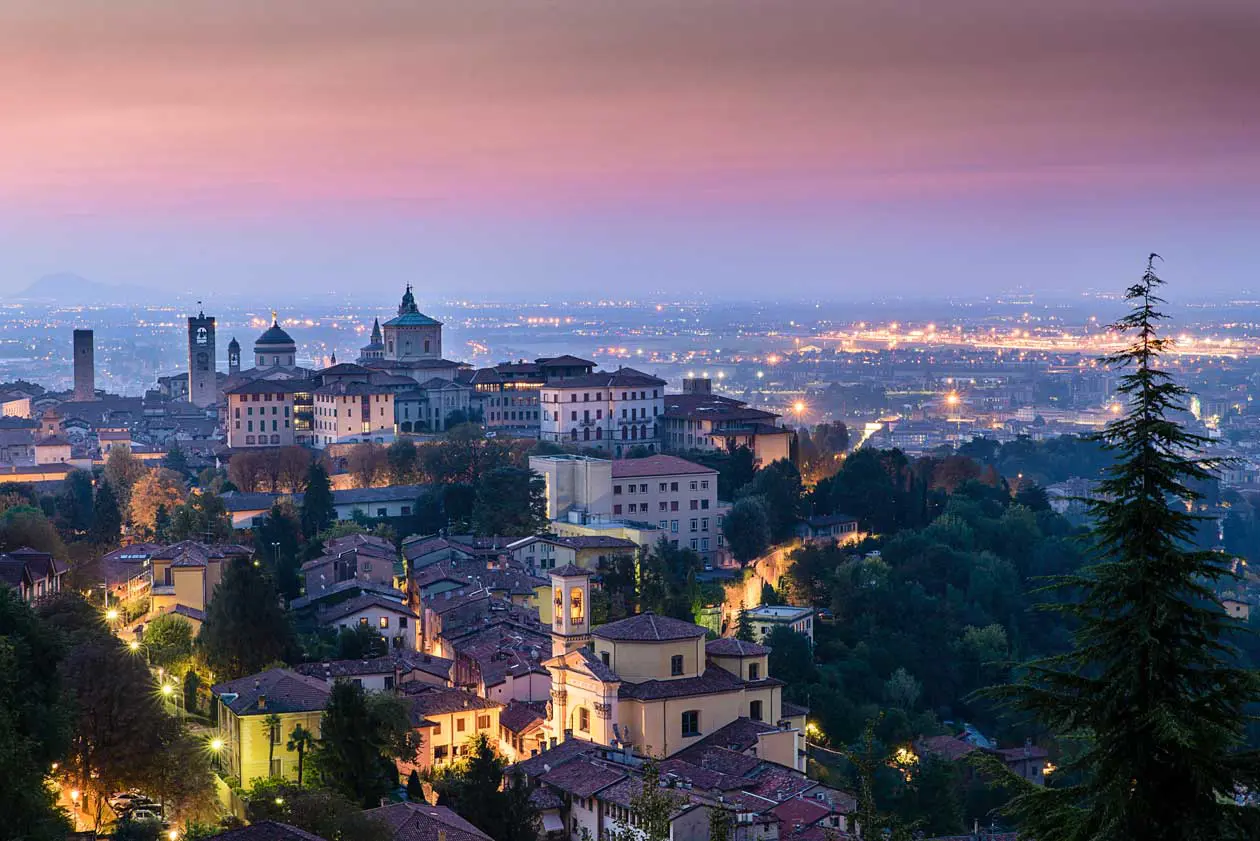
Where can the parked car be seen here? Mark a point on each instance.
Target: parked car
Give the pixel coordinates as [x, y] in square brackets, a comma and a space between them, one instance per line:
[145, 814]
[124, 800]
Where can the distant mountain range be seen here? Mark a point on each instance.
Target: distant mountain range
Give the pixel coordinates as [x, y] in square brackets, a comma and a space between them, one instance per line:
[67, 287]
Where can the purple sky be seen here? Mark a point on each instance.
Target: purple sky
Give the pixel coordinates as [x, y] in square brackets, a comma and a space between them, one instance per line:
[494, 148]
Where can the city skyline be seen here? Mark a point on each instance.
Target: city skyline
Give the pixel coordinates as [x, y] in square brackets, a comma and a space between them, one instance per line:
[839, 151]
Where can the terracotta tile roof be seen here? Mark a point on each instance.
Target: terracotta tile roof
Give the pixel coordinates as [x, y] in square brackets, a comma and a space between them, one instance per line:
[571, 570]
[285, 691]
[711, 681]
[717, 758]
[582, 778]
[519, 716]
[566, 751]
[363, 601]
[426, 699]
[268, 831]
[731, 647]
[660, 465]
[800, 811]
[422, 822]
[946, 747]
[778, 782]
[597, 666]
[648, 627]
[705, 778]
[740, 735]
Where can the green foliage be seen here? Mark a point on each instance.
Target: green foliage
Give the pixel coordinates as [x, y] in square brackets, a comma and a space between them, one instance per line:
[318, 512]
[26, 526]
[779, 484]
[791, 656]
[721, 824]
[651, 808]
[169, 638]
[510, 501]
[415, 790]
[429, 515]
[278, 544]
[744, 628]
[403, 461]
[106, 516]
[360, 738]
[34, 721]
[321, 812]
[1150, 687]
[459, 500]
[747, 528]
[245, 627]
[361, 642]
[667, 581]
[203, 518]
[74, 503]
[176, 460]
[301, 741]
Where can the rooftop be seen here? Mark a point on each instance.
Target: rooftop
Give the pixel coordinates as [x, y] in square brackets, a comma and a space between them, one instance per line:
[422, 822]
[658, 465]
[273, 691]
[648, 627]
[731, 647]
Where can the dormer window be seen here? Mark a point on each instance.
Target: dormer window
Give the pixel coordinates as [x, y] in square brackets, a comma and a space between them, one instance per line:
[676, 665]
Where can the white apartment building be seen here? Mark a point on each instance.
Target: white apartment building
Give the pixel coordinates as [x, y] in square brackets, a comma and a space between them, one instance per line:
[611, 411]
[352, 413]
[679, 496]
[766, 618]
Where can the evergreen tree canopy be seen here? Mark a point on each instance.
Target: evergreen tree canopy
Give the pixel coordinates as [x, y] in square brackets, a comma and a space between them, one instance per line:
[318, 512]
[245, 627]
[1149, 689]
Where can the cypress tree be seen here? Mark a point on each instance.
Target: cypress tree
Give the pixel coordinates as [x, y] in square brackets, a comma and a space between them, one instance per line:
[318, 512]
[1150, 689]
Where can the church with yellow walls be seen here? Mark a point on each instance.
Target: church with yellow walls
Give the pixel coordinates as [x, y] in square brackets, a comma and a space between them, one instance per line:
[654, 684]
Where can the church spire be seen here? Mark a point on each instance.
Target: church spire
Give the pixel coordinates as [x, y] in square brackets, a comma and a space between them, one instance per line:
[376, 331]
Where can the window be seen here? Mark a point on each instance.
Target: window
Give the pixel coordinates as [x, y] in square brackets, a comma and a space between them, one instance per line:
[389, 681]
[273, 733]
[704, 524]
[664, 486]
[277, 767]
[704, 484]
[483, 722]
[630, 488]
[691, 723]
[664, 506]
[616, 490]
[363, 621]
[664, 524]
[584, 719]
[754, 671]
[459, 725]
[437, 728]
[673, 486]
[384, 621]
[695, 544]
[642, 489]
[673, 505]
[673, 527]
[616, 509]
[754, 710]
[704, 503]
[693, 486]
[695, 524]
[381, 512]
[676, 665]
[695, 504]
[704, 544]
[402, 621]
[603, 655]
[439, 753]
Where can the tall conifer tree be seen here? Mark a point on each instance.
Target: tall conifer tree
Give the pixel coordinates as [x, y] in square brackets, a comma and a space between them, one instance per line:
[1149, 689]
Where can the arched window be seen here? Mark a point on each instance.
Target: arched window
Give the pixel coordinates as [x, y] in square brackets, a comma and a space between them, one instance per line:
[577, 613]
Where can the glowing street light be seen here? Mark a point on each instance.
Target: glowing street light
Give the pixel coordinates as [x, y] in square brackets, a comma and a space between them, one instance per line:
[134, 645]
[216, 745]
[168, 690]
[173, 834]
[111, 615]
[953, 399]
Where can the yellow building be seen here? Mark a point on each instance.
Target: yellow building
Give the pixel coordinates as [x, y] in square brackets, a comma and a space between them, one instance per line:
[651, 683]
[448, 719]
[255, 746]
[187, 572]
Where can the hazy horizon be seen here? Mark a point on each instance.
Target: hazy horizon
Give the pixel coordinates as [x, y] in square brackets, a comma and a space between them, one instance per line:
[598, 149]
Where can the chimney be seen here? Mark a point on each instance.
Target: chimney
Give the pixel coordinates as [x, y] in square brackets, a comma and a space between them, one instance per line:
[262, 702]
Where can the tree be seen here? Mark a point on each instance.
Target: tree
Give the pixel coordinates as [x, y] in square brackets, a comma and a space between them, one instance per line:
[747, 529]
[122, 471]
[245, 627]
[360, 737]
[720, 824]
[737, 471]
[744, 628]
[510, 501]
[169, 638]
[791, 656]
[175, 460]
[415, 791]
[323, 813]
[403, 461]
[361, 642]
[459, 500]
[318, 512]
[430, 514]
[74, 504]
[521, 821]
[34, 721]
[367, 463]
[203, 517]
[278, 544]
[779, 484]
[300, 742]
[156, 489]
[1150, 688]
[106, 516]
[651, 809]
[26, 526]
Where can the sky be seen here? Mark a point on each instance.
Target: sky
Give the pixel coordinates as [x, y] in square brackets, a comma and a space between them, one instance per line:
[630, 148]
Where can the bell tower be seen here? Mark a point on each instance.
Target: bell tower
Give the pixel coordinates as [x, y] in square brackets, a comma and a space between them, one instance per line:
[570, 609]
[234, 356]
[203, 386]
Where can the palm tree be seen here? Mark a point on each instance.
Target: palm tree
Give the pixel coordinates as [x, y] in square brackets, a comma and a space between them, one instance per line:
[300, 740]
[271, 726]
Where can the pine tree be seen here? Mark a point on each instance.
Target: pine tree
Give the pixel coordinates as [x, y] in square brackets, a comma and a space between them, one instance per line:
[245, 627]
[106, 516]
[318, 512]
[744, 628]
[1149, 688]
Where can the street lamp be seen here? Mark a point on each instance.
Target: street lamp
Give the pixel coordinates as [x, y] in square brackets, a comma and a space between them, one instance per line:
[111, 615]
